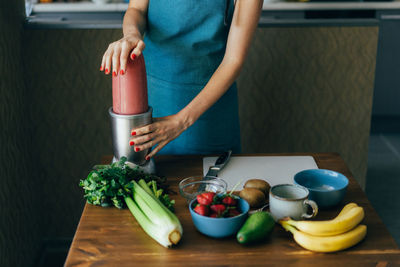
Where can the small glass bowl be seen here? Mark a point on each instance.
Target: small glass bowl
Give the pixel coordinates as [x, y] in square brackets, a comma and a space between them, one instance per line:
[190, 187]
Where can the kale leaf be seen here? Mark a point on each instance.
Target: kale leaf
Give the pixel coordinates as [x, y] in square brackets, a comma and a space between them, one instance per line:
[108, 185]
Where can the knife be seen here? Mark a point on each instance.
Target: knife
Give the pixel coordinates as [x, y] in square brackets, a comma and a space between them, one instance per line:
[218, 165]
[213, 170]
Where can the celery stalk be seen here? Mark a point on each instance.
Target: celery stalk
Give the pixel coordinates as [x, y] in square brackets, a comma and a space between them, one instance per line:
[144, 185]
[151, 229]
[155, 219]
[152, 211]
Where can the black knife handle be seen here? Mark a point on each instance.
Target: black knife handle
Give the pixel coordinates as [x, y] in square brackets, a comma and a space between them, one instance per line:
[222, 159]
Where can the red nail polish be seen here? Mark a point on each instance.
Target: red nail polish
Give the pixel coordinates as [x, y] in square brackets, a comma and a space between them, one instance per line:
[137, 149]
[133, 133]
[147, 157]
[131, 143]
[114, 73]
[122, 72]
[107, 71]
[133, 56]
[101, 68]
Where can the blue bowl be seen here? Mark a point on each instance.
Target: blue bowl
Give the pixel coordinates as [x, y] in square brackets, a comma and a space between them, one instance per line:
[219, 227]
[326, 187]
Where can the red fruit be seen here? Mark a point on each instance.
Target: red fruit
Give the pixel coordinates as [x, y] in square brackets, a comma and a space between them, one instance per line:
[202, 210]
[205, 198]
[209, 196]
[202, 200]
[230, 201]
[233, 213]
[218, 208]
[214, 215]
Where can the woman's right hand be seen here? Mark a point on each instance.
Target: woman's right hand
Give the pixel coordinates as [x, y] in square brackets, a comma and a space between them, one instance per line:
[118, 52]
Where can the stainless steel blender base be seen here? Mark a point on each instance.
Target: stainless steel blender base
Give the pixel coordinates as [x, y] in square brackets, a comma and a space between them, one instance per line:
[121, 126]
[149, 167]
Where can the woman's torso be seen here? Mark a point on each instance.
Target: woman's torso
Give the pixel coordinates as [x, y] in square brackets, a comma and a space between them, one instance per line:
[185, 43]
[185, 39]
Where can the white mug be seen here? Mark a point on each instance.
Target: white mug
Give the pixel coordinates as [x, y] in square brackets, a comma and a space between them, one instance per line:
[290, 200]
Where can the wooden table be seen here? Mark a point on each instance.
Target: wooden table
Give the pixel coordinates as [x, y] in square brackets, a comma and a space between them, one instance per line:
[112, 237]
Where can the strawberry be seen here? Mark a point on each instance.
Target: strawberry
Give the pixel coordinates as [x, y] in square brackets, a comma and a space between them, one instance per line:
[202, 210]
[209, 195]
[214, 215]
[228, 200]
[233, 213]
[202, 200]
[205, 198]
[218, 208]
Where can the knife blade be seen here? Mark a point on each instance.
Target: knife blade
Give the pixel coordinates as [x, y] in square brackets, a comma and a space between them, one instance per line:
[218, 165]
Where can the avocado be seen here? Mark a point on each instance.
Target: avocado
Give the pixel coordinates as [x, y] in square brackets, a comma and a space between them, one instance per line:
[257, 227]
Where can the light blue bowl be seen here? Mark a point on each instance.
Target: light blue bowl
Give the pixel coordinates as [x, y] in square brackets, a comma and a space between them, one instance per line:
[219, 227]
[326, 187]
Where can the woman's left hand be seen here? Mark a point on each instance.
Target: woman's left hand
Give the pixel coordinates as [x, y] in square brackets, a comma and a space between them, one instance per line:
[159, 133]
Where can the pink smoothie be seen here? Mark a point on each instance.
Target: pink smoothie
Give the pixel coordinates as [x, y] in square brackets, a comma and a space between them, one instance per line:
[130, 90]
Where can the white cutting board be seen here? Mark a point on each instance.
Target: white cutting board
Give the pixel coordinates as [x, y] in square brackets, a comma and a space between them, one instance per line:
[273, 169]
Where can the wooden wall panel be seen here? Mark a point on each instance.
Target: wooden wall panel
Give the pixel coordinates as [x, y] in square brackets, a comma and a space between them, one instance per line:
[20, 188]
[309, 89]
[70, 101]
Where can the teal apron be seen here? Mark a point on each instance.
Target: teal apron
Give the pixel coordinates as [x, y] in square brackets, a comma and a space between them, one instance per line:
[185, 43]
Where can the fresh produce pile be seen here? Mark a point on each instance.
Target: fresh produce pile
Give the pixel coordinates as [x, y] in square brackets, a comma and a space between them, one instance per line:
[107, 185]
[257, 227]
[216, 206]
[340, 233]
[144, 194]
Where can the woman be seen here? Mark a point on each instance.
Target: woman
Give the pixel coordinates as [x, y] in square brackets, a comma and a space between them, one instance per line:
[194, 52]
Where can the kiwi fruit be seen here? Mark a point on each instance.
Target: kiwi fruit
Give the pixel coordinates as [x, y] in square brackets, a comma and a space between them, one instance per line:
[259, 184]
[253, 196]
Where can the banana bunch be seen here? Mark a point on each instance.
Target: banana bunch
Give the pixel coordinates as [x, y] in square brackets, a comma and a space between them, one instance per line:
[337, 234]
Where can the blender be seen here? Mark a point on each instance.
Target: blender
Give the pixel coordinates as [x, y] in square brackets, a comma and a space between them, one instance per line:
[130, 110]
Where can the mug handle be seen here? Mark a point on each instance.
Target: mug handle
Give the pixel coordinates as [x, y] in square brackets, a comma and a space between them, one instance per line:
[314, 207]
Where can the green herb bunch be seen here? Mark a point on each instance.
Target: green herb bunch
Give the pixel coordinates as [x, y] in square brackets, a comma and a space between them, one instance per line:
[108, 185]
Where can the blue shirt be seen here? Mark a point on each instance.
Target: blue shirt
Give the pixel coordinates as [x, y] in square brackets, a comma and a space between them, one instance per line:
[185, 43]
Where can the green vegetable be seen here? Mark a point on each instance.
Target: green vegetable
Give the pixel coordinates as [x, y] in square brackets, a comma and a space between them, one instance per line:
[164, 198]
[256, 228]
[108, 185]
[116, 185]
[155, 219]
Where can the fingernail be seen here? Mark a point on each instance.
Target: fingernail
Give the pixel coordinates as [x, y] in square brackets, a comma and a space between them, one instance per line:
[147, 158]
[114, 73]
[107, 71]
[133, 56]
[131, 143]
[122, 72]
[133, 133]
[101, 68]
[137, 149]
